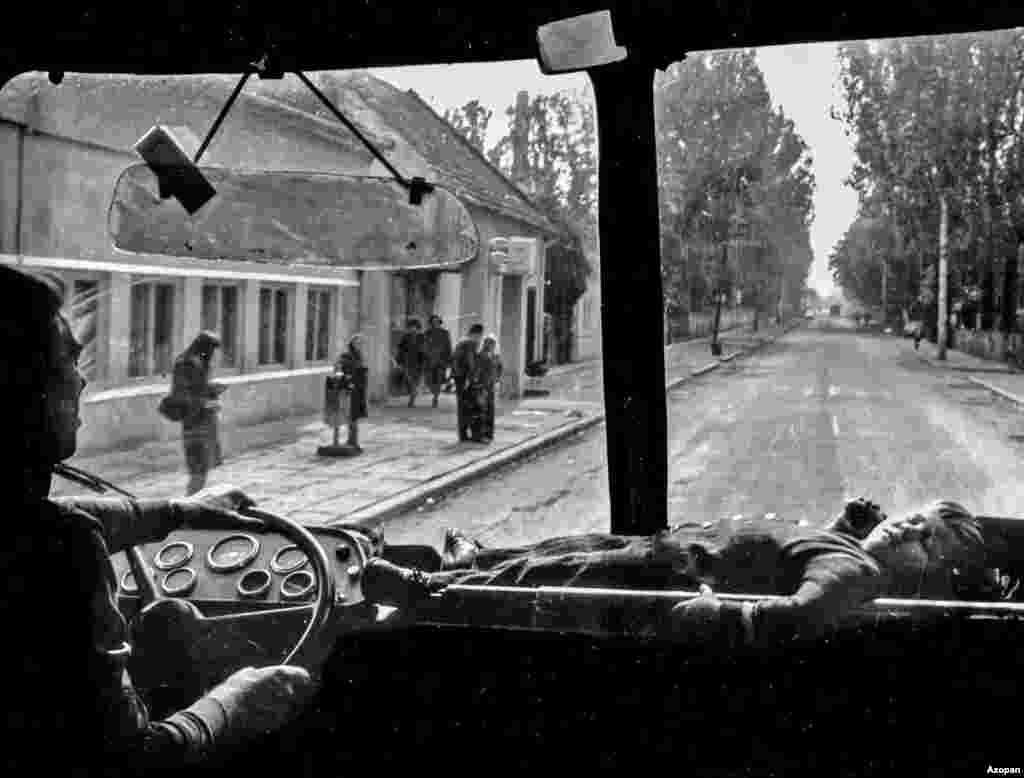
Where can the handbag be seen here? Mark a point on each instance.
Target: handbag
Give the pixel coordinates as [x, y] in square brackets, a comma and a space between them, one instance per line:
[172, 408]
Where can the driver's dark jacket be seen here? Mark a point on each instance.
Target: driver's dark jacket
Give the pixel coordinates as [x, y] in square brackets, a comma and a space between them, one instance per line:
[77, 705]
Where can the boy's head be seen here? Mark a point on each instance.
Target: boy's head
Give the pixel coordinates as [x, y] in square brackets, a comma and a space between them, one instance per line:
[925, 549]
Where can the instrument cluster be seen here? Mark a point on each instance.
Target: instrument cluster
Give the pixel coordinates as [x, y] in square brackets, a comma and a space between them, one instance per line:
[239, 566]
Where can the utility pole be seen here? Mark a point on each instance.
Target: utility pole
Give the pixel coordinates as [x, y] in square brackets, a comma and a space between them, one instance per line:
[943, 273]
[716, 347]
[885, 291]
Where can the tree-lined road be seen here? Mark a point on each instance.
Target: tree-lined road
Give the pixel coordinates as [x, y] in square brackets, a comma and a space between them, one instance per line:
[821, 416]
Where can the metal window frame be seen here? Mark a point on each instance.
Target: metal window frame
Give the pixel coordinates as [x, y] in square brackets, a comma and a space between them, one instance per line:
[219, 316]
[289, 292]
[313, 331]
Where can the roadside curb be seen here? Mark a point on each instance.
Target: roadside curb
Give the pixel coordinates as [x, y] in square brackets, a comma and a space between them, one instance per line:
[962, 368]
[560, 371]
[417, 495]
[1015, 398]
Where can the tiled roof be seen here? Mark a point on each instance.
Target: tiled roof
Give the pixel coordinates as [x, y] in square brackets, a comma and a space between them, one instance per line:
[455, 163]
[401, 125]
[79, 108]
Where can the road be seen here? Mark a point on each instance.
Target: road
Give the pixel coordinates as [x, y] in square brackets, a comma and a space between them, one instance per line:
[794, 430]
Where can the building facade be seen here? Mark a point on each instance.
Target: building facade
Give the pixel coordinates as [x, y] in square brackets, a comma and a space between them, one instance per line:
[587, 321]
[62, 149]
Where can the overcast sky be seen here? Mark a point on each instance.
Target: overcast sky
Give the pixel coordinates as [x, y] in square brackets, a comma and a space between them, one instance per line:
[803, 79]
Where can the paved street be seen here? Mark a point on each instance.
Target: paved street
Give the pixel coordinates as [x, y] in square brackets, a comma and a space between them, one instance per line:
[819, 417]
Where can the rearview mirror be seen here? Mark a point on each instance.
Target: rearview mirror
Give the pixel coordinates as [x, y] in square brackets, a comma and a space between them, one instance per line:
[358, 222]
[578, 43]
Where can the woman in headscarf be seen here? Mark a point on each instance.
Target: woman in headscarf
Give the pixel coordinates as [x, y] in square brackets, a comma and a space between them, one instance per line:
[197, 396]
[352, 367]
[488, 374]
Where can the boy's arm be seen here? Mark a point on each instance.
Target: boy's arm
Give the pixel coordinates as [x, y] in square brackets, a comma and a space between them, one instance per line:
[832, 586]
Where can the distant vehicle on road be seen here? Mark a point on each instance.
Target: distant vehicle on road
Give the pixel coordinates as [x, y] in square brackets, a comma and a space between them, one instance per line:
[834, 310]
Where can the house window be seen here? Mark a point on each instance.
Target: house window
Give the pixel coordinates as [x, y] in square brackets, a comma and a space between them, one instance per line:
[273, 326]
[318, 325]
[152, 329]
[220, 315]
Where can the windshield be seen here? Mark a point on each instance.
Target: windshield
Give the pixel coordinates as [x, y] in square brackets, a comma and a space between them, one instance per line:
[837, 191]
[814, 200]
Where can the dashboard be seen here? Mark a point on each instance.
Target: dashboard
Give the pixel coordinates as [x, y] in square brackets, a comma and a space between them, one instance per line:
[230, 568]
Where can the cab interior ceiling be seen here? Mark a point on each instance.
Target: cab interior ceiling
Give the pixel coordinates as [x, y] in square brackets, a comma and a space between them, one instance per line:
[201, 37]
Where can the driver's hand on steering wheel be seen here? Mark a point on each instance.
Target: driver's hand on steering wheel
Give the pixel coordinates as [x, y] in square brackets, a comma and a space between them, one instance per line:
[261, 700]
[217, 507]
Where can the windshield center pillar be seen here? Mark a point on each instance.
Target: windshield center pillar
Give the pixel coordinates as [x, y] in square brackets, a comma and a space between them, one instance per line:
[631, 311]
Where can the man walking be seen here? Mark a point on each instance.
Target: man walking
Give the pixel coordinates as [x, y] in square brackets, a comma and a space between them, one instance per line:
[410, 358]
[437, 351]
[199, 397]
[464, 364]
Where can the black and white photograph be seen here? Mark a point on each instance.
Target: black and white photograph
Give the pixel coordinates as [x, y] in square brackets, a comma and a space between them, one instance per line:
[541, 387]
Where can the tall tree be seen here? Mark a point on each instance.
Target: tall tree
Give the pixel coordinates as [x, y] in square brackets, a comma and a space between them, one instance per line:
[550, 151]
[731, 165]
[472, 120]
[940, 116]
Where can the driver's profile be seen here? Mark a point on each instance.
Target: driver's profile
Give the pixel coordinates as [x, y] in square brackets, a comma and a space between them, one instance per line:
[56, 556]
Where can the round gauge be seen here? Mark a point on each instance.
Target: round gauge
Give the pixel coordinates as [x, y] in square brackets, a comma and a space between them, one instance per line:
[232, 553]
[174, 555]
[297, 585]
[128, 585]
[179, 582]
[255, 583]
[288, 559]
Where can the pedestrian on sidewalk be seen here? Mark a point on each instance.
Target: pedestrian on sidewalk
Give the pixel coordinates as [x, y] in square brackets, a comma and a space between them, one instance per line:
[464, 364]
[355, 375]
[437, 351]
[198, 398]
[410, 358]
[488, 374]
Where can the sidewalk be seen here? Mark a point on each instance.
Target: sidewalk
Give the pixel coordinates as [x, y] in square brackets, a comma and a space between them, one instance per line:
[1008, 385]
[558, 371]
[988, 374]
[410, 454]
[958, 360]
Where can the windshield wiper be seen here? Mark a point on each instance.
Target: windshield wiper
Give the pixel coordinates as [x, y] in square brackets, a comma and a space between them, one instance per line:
[417, 186]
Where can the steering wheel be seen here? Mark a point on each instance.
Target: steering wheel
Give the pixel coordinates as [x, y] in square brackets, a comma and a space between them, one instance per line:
[168, 622]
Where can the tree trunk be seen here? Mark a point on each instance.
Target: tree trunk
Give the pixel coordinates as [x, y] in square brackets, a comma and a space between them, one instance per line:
[943, 319]
[989, 293]
[1009, 318]
[885, 291]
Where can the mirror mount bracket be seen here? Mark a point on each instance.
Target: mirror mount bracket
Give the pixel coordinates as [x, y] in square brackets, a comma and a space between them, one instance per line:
[269, 67]
[417, 188]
